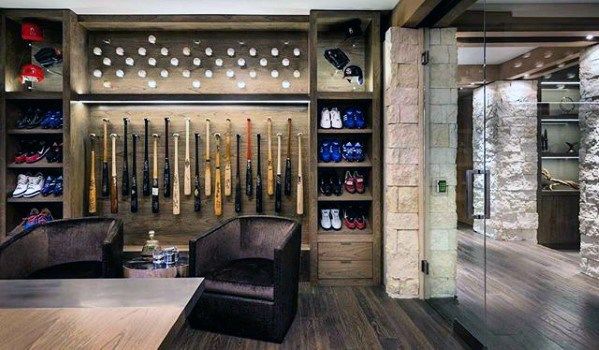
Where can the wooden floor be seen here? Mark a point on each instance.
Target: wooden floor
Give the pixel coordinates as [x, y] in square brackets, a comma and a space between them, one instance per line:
[346, 318]
[536, 297]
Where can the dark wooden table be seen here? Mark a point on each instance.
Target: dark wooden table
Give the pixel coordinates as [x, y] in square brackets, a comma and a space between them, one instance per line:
[95, 313]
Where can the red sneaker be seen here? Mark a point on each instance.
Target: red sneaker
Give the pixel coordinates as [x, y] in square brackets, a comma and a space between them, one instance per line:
[20, 157]
[359, 182]
[360, 222]
[348, 220]
[38, 154]
[350, 185]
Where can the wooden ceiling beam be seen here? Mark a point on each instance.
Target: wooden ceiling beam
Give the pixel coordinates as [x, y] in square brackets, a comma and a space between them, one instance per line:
[537, 60]
[455, 10]
[410, 13]
[506, 22]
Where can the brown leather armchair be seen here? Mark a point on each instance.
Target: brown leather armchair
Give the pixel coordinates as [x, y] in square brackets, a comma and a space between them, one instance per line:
[71, 248]
[251, 270]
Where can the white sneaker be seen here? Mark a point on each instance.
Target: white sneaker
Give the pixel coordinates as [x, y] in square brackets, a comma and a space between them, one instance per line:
[336, 219]
[34, 187]
[325, 119]
[325, 219]
[22, 181]
[336, 122]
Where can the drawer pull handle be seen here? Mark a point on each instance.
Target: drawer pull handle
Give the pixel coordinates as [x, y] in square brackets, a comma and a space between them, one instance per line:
[345, 243]
[346, 262]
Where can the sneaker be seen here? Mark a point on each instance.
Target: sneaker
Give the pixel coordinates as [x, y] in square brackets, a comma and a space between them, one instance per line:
[36, 219]
[336, 119]
[359, 120]
[55, 153]
[325, 185]
[325, 119]
[34, 120]
[336, 184]
[58, 187]
[349, 184]
[349, 118]
[34, 186]
[38, 152]
[348, 219]
[24, 149]
[359, 155]
[360, 222]
[359, 182]
[336, 151]
[348, 152]
[335, 219]
[49, 184]
[22, 181]
[325, 151]
[325, 219]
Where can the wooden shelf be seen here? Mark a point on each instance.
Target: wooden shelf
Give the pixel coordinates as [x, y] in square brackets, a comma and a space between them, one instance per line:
[332, 235]
[346, 197]
[343, 164]
[33, 95]
[41, 164]
[333, 95]
[345, 131]
[36, 131]
[36, 199]
[573, 156]
[191, 98]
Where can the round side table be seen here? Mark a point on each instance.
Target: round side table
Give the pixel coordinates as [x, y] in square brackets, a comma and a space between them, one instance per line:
[140, 268]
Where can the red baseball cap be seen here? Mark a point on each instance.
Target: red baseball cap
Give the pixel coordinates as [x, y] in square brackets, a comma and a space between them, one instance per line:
[31, 32]
[32, 72]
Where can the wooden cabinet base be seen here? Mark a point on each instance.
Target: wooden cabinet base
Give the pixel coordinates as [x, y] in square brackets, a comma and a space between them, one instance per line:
[144, 269]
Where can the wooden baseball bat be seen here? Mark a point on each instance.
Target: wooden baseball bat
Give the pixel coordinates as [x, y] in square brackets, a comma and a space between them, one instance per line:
[249, 188]
[92, 175]
[146, 188]
[105, 190]
[288, 161]
[207, 165]
[114, 196]
[218, 199]
[125, 179]
[167, 166]
[299, 209]
[270, 170]
[278, 185]
[176, 192]
[197, 202]
[238, 181]
[228, 184]
[187, 170]
[134, 199]
[155, 186]
[258, 180]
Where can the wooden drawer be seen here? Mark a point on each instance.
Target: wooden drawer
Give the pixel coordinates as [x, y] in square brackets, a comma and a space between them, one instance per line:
[345, 251]
[345, 269]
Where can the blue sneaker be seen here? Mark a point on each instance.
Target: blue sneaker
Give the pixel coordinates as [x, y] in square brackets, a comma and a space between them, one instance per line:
[48, 186]
[348, 152]
[359, 120]
[58, 187]
[359, 155]
[336, 151]
[349, 118]
[325, 151]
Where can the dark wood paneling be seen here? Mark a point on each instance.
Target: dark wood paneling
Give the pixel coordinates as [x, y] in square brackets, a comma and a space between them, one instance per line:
[464, 155]
[558, 219]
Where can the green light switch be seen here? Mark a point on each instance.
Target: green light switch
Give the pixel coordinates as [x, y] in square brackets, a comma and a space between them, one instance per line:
[442, 186]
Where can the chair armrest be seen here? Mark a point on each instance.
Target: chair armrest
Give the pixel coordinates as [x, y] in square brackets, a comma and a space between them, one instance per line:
[207, 251]
[112, 248]
[286, 264]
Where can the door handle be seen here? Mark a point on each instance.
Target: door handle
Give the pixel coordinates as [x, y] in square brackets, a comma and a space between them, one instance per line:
[470, 193]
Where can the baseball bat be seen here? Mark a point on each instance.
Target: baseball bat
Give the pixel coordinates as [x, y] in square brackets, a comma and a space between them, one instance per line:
[104, 190]
[176, 192]
[114, 199]
[258, 180]
[125, 180]
[288, 160]
[167, 166]
[134, 200]
[92, 175]
[146, 188]
[270, 171]
[187, 170]
[155, 186]
[278, 185]
[197, 202]
[299, 209]
[228, 189]
[218, 199]
[238, 181]
[207, 165]
[249, 188]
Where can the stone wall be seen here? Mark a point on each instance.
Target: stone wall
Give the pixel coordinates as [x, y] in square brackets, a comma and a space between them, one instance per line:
[589, 162]
[402, 169]
[441, 213]
[511, 156]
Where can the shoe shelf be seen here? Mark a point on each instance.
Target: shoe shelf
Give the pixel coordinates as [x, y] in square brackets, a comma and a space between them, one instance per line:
[344, 95]
[354, 235]
[343, 164]
[36, 131]
[347, 197]
[36, 199]
[345, 131]
[42, 164]
[33, 95]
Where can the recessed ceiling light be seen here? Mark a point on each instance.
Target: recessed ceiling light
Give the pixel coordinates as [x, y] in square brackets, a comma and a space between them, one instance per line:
[561, 65]
[590, 36]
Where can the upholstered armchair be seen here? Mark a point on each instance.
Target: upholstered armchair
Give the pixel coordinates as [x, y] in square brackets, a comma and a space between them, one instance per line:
[251, 270]
[72, 248]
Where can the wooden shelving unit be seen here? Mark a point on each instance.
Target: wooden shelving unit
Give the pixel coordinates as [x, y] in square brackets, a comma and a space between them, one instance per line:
[346, 257]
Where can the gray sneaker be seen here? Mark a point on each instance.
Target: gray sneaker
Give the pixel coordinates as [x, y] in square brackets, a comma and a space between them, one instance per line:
[22, 181]
[34, 187]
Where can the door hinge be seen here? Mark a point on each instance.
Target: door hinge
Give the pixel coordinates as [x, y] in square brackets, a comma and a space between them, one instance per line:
[424, 58]
[424, 266]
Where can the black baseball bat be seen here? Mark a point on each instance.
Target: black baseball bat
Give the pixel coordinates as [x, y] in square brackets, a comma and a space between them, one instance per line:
[155, 185]
[134, 200]
[104, 189]
[249, 188]
[197, 203]
[278, 184]
[146, 190]
[238, 182]
[258, 181]
[167, 166]
[288, 161]
[125, 180]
